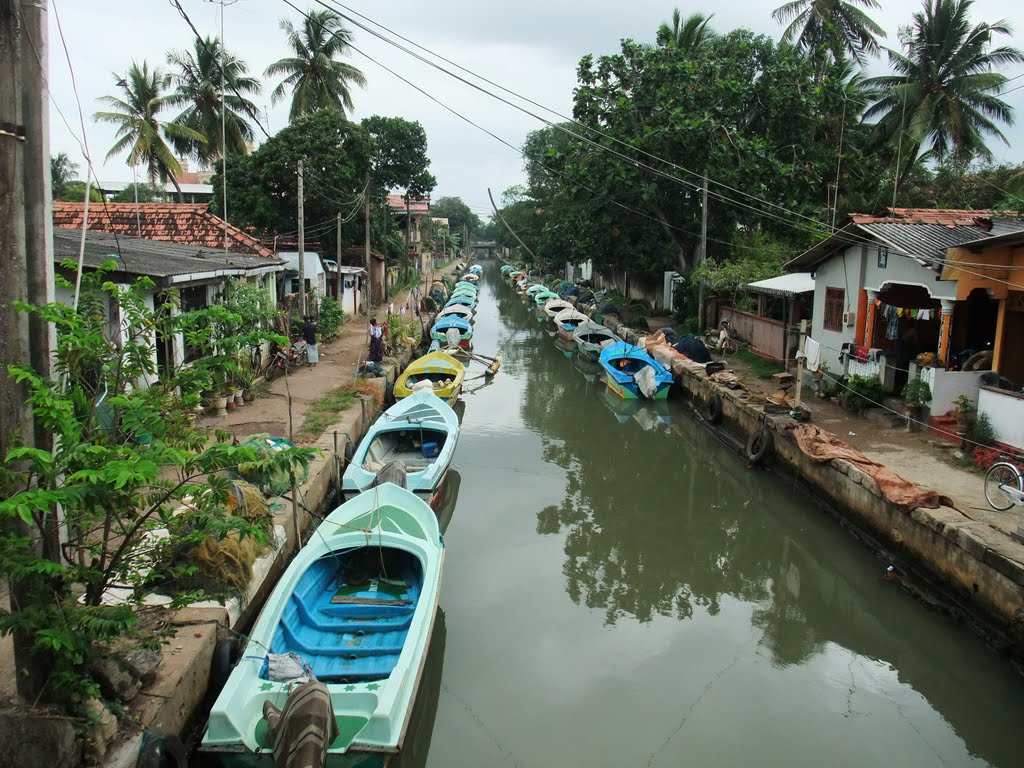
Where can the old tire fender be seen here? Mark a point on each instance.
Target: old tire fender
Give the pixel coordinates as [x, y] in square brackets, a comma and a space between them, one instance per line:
[713, 408]
[161, 750]
[758, 445]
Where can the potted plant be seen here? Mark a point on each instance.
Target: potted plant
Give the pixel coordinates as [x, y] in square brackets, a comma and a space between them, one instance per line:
[916, 393]
[964, 410]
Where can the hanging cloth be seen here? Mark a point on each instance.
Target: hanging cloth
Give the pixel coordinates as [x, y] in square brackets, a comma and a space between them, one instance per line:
[812, 350]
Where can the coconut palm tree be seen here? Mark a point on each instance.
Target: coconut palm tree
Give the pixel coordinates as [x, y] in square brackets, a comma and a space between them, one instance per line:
[836, 28]
[944, 98]
[316, 78]
[62, 172]
[139, 130]
[197, 75]
[687, 34]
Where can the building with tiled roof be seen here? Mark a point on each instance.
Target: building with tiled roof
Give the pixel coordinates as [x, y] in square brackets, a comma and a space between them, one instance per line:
[179, 223]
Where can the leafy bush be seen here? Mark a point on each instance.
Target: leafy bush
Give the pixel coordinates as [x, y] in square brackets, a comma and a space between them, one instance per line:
[331, 318]
[916, 392]
[127, 463]
[981, 430]
[861, 392]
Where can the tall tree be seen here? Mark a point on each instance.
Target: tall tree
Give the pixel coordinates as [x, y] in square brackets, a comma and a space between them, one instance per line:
[62, 172]
[139, 130]
[836, 28]
[200, 76]
[687, 34]
[314, 75]
[944, 98]
[457, 213]
[400, 155]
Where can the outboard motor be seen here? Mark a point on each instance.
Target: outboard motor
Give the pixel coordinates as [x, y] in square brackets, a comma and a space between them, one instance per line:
[392, 472]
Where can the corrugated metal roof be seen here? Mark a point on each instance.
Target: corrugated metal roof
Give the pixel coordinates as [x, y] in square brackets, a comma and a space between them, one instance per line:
[153, 258]
[924, 241]
[784, 285]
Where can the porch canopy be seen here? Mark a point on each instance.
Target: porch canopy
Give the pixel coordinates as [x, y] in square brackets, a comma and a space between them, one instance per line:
[785, 286]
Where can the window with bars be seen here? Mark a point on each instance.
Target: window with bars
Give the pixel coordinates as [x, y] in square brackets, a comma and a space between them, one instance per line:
[835, 303]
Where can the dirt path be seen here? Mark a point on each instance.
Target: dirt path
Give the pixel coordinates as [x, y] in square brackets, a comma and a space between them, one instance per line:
[917, 456]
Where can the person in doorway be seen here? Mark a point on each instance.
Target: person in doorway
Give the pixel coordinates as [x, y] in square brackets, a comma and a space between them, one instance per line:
[309, 335]
[376, 341]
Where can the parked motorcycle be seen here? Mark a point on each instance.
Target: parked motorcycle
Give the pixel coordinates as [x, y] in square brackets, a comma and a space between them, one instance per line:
[286, 358]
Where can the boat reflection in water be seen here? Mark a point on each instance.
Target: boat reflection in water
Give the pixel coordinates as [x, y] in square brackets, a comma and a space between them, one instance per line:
[591, 369]
[652, 415]
[567, 348]
[446, 499]
[416, 746]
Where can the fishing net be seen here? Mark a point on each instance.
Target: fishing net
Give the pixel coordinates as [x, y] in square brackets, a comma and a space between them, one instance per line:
[271, 483]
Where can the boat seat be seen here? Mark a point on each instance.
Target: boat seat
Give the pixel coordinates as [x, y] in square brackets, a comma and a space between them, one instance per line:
[350, 646]
[341, 622]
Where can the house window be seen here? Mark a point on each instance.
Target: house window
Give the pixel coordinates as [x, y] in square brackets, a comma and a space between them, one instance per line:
[193, 298]
[834, 305]
[883, 257]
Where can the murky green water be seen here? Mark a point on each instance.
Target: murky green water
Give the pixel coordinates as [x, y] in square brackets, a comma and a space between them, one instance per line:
[622, 592]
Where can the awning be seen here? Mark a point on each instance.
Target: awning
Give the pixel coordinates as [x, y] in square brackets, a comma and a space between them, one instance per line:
[787, 286]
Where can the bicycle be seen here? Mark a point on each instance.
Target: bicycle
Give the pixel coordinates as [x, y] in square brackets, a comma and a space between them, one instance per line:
[721, 340]
[1004, 486]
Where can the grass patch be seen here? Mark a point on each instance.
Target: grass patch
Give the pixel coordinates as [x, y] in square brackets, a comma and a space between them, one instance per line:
[324, 412]
[762, 367]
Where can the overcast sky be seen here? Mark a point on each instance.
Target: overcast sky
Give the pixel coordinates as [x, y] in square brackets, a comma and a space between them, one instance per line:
[530, 47]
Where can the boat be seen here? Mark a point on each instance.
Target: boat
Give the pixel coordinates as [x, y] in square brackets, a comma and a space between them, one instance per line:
[462, 310]
[468, 286]
[443, 371]
[506, 268]
[471, 277]
[553, 306]
[541, 297]
[632, 373]
[591, 338]
[357, 606]
[454, 325]
[476, 269]
[420, 430]
[533, 290]
[463, 292]
[462, 298]
[590, 369]
[567, 321]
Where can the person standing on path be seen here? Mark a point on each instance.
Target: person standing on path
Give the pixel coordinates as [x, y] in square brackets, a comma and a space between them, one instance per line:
[376, 341]
[309, 334]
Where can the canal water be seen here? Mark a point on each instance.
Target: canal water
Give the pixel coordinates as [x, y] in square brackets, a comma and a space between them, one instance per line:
[621, 591]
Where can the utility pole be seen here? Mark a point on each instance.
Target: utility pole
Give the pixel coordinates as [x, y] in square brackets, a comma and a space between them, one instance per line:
[302, 251]
[337, 261]
[366, 234]
[703, 251]
[408, 236]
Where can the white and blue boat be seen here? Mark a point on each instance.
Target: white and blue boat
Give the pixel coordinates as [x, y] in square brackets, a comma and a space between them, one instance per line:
[357, 607]
[632, 373]
[456, 325]
[462, 298]
[421, 431]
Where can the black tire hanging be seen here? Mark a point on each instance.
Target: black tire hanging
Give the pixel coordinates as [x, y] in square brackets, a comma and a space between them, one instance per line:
[758, 445]
[389, 394]
[713, 408]
[161, 750]
[225, 656]
[350, 451]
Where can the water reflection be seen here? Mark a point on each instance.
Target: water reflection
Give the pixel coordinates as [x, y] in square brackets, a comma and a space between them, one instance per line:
[424, 712]
[658, 519]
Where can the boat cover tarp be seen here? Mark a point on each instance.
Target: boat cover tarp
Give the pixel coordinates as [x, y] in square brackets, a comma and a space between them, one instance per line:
[822, 446]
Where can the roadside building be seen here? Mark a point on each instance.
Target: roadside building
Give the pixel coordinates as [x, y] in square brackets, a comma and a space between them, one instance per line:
[197, 275]
[410, 213]
[772, 328]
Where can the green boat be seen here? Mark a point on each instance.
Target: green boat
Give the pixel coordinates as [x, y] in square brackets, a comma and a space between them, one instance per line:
[357, 606]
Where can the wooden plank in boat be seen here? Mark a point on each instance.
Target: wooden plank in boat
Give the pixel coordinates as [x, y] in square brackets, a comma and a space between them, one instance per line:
[357, 600]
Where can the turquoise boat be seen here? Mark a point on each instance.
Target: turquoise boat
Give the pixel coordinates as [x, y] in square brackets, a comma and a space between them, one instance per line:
[462, 298]
[456, 325]
[357, 605]
[462, 284]
[420, 430]
[632, 373]
[464, 311]
[533, 290]
[541, 297]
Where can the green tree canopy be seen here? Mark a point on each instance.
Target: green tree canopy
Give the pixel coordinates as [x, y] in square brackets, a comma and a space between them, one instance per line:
[262, 187]
[200, 75]
[457, 213]
[830, 28]
[74, 192]
[147, 193]
[62, 171]
[400, 155]
[313, 74]
[944, 97]
[139, 129]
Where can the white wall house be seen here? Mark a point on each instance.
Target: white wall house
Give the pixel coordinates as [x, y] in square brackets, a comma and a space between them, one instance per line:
[316, 275]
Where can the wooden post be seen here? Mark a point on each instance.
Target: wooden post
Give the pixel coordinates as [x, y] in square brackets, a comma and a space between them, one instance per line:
[337, 262]
[366, 245]
[703, 252]
[800, 364]
[302, 249]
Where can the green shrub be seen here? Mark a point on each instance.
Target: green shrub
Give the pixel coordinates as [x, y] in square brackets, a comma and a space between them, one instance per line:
[981, 431]
[331, 318]
[861, 392]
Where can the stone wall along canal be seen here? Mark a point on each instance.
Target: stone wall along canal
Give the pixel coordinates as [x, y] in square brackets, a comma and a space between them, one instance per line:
[621, 591]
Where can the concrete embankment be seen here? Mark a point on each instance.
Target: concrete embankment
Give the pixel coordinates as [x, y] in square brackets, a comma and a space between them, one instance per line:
[175, 701]
[976, 570]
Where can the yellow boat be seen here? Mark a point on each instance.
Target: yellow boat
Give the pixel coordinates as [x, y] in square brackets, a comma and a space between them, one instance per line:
[443, 371]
